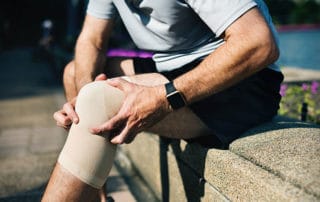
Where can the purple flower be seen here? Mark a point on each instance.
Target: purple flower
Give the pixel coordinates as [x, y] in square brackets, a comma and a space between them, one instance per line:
[314, 87]
[283, 89]
[305, 86]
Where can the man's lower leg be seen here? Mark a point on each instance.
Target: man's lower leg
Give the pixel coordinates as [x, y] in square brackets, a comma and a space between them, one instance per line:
[86, 159]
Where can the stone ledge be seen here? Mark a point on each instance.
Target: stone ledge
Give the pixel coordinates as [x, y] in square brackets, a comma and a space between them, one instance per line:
[295, 148]
[276, 161]
[295, 74]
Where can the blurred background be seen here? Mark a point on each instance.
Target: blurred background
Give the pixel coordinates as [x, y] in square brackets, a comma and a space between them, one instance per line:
[22, 25]
[37, 39]
[23, 22]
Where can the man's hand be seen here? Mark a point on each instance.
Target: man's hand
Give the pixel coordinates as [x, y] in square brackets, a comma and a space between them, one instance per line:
[142, 107]
[67, 115]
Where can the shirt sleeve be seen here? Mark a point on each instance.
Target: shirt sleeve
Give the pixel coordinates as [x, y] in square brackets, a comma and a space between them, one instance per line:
[220, 14]
[103, 9]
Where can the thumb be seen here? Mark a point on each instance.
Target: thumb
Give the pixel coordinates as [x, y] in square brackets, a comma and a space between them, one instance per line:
[120, 83]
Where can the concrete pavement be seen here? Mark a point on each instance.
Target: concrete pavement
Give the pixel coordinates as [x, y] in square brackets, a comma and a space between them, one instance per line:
[29, 140]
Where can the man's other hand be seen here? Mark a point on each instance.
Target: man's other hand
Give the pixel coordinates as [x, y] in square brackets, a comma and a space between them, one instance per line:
[67, 115]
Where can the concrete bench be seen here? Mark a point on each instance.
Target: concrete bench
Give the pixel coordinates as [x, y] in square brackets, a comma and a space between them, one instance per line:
[277, 161]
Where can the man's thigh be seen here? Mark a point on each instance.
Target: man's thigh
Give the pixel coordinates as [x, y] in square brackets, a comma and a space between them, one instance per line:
[119, 66]
[180, 124]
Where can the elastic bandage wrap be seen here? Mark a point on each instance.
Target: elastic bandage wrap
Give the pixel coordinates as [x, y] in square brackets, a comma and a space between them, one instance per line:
[86, 156]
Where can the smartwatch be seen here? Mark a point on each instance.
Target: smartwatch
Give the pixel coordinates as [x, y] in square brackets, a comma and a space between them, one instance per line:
[174, 97]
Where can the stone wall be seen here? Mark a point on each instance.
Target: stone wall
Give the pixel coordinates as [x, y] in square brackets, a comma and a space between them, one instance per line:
[277, 161]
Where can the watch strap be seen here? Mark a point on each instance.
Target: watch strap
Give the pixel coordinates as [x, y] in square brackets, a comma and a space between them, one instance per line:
[174, 97]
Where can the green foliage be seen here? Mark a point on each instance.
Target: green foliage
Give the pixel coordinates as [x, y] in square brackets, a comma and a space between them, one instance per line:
[294, 12]
[293, 97]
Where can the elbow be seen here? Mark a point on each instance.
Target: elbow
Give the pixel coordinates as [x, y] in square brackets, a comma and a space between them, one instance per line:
[273, 52]
[269, 50]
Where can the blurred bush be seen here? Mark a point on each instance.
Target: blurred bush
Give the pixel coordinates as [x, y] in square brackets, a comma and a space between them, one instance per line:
[301, 101]
[294, 12]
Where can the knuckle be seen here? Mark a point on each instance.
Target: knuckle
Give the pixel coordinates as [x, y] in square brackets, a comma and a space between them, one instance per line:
[65, 105]
[109, 125]
[127, 113]
[131, 87]
[101, 129]
[65, 122]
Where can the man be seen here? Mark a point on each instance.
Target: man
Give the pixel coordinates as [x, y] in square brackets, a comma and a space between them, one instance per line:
[211, 78]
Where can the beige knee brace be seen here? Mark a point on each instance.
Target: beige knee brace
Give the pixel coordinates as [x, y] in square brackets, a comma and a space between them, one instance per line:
[90, 157]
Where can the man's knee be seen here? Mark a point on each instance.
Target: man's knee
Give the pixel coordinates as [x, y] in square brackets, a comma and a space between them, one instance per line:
[98, 102]
[89, 157]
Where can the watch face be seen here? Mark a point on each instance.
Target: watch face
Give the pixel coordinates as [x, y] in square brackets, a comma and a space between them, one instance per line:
[176, 100]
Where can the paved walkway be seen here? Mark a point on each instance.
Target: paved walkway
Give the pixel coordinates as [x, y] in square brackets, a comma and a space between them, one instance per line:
[29, 140]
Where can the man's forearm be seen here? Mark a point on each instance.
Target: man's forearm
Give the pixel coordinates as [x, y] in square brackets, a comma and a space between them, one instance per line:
[91, 49]
[89, 61]
[247, 49]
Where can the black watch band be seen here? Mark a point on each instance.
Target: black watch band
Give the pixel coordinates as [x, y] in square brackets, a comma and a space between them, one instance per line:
[174, 97]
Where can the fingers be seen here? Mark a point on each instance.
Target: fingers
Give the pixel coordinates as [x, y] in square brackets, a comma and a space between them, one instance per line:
[69, 110]
[123, 126]
[130, 138]
[66, 116]
[121, 138]
[62, 119]
[110, 125]
[124, 137]
[118, 134]
[120, 84]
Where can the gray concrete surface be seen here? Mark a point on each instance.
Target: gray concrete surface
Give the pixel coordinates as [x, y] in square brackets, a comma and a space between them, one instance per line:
[277, 161]
[289, 150]
[29, 140]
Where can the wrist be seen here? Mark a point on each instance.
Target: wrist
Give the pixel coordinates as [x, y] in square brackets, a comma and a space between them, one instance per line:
[162, 99]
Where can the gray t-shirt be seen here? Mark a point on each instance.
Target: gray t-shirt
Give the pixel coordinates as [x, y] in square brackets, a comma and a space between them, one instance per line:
[177, 31]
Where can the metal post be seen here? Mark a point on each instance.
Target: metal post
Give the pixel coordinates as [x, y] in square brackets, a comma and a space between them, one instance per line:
[304, 111]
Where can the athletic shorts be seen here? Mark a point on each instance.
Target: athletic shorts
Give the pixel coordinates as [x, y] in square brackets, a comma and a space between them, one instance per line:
[231, 112]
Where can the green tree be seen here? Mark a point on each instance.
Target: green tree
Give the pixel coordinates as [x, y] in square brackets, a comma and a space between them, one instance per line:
[305, 12]
[294, 12]
[280, 10]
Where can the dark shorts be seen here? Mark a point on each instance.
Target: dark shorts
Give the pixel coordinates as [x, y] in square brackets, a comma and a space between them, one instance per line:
[231, 112]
